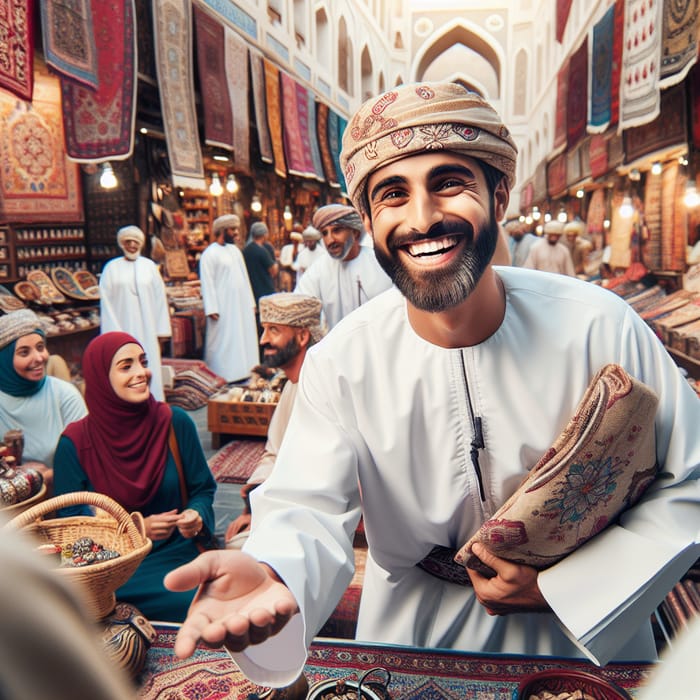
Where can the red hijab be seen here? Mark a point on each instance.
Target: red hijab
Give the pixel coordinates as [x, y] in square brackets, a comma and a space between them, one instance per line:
[122, 446]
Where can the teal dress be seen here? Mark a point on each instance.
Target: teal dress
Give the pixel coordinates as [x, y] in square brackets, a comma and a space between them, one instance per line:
[145, 588]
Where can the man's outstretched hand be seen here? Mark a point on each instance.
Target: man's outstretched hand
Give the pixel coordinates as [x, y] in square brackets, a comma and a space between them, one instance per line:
[240, 601]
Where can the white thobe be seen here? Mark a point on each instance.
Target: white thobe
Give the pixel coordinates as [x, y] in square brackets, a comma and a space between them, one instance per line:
[381, 426]
[550, 258]
[231, 341]
[133, 300]
[275, 433]
[343, 286]
[307, 257]
[42, 417]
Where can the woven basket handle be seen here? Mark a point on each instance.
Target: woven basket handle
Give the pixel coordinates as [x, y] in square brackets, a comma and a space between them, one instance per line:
[131, 523]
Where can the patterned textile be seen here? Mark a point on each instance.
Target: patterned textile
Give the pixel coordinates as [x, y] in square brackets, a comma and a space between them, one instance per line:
[562, 17]
[17, 47]
[100, 123]
[211, 66]
[641, 58]
[673, 218]
[596, 212]
[238, 87]
[680, 40]
[259, 102]
[312, 129]
[236, 461]
[416, 674]
[601, 72]
[560, 114]
[69, 43]
[652, 217]
[322, 127]
[39, 184]
[577, 96]
[336, 128]
[274, 115]
[618, 44]
[668, 129]
[598, 467]
[296, 141]
[173, 48]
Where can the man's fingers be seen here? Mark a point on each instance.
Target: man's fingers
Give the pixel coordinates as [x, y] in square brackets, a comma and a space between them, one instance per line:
[191, 575]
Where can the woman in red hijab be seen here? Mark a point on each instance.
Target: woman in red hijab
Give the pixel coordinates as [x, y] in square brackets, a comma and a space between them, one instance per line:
[121, 449]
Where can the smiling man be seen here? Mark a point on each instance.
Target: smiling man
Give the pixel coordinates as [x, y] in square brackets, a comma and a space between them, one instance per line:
[349, 275]
[426, 408]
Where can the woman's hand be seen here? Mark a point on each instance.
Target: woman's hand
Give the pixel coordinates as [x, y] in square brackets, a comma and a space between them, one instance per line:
[161, 525]
[189, 523]
[240, 601]
[513, 589]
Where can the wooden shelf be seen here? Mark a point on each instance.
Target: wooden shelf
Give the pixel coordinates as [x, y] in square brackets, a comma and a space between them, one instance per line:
[690, 364]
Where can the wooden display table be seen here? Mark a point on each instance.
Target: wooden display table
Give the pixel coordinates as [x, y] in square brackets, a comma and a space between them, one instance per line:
[236, 417]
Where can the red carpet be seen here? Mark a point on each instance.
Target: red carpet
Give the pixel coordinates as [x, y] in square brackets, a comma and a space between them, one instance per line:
[236, 460]
[416, 674]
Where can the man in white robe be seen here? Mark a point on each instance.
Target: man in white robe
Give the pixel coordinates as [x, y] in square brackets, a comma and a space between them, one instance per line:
[133, 300]
[549, 254]
[349, 275]
[424, 410]
[291, 325]
[310, 252]
[230, 343]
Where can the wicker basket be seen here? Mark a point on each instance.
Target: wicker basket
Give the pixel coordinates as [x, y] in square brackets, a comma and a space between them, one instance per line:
[17, 508]
[114, 529]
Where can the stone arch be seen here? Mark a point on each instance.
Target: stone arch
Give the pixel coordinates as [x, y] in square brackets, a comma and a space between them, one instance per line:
[460, 31]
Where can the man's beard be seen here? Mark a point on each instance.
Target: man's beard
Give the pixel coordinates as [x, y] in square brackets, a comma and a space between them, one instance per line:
[346, 249]
[438, 291]
[132, 256]
[283, 355]
[229, 238]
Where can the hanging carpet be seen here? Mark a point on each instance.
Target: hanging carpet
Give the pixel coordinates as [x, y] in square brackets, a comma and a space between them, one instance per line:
[274, 115]
[236, 52]
[17, 31]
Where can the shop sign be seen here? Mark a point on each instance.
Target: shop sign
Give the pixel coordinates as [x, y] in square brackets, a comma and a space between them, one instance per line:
[668, 129]
[556, 175]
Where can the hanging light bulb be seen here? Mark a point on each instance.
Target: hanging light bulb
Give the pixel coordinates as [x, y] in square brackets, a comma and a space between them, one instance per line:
[256, 204]
[536, 213]
[216, 187]
[656, 168]
[287, 213]
[231, 184]
[691, 199]
[561, 216]
[626, 208]
[547, 217]
[579, 194]
[108, 180]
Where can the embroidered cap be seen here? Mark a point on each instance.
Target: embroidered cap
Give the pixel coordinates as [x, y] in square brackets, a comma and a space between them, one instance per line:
[291, 309]
[130, 233]
[17, 324]
[338, 214]
[225, 221]
[419, 117]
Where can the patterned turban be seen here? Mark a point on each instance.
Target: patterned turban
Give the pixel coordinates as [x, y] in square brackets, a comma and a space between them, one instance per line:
[225, 221]
[415, 118]
[577, 226]
[17, 324]
[553, 227]
[311, 234]
[339, 215]
[130, 233]
[291, 309]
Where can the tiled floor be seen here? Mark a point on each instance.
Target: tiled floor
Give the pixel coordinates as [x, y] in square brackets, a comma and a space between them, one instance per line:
[227, 502]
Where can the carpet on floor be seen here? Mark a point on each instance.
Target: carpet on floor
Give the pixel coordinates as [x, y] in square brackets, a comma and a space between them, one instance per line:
[236, 461]
[416, 674]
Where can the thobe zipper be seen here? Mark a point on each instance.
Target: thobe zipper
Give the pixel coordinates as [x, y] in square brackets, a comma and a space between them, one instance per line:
[477, 442]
